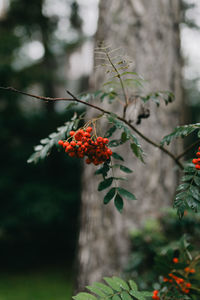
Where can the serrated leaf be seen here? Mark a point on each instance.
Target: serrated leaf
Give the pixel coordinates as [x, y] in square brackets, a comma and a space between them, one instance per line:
[125, 169]
[110, 131]
[117, 156]
[118, 201]
[195, 192]
[38, 148]
[116, 297]
[126, 296]
[137, 151]
[137, 295]
[186, 177]
[106, 289]
[113, 284]
[84, 296]
[183, 186]
[147, 294]
[105, 184]
[123, 192]
[133, 285]
[180, 131]
[44, 141]
[197, 180]
[115, 143]
[96, 291]
[108, 197]
[121, 283]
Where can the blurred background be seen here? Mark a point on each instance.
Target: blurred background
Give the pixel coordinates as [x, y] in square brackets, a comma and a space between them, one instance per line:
[46, 47]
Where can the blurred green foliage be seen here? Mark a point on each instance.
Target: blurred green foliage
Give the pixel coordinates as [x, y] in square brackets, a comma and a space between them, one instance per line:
[156, 238]
[39, 204]
[43, 284]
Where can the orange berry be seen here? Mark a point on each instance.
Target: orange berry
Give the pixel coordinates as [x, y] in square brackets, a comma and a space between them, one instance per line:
[188, 284]
[89, 129]
[187, 269]
[71, 133]
[60, 142]
[192, 271]
[175, 260]
[198, 154]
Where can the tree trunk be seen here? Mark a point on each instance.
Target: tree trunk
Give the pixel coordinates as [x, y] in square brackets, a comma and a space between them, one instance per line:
[148, 30]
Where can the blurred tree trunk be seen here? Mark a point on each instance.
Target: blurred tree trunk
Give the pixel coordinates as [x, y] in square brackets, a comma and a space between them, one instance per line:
[148, 30]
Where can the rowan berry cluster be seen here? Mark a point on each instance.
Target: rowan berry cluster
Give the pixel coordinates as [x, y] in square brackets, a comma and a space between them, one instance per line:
[81, 143]
[196, 161]
[180, 282]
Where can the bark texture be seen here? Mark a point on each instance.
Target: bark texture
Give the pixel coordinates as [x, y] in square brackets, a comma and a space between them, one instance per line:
[148, 30]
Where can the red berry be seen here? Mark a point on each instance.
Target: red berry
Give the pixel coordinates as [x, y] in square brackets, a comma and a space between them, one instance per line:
[71, 133]
[197, 167]
[198, 154]
[105, 141]
[73, 143]
[99, 139]
[60, 142]
[89, 129]
[175, 260]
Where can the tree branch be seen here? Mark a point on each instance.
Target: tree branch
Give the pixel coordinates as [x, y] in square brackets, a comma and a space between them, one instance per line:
[188, 149]
[74, 98]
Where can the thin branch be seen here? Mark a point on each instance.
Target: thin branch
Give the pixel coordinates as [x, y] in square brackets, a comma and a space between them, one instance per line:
[188, 149]
[102, 110]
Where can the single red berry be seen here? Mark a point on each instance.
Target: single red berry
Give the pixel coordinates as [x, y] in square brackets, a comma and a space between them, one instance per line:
[197, 167]
[175, 260]
[71, 133]
[73, 143]
[60, 142]
[194, 161]
[99, 139]
[198, 154]
[192, 271]
[105, 141]
[89, 129]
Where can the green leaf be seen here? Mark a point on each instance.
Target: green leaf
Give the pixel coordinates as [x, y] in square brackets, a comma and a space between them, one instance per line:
[126, 296]
[118, 201]
[96, 291]
[121, 283]
[84, 296]
[125, 169]
[105, 184]
[137, 295]
[117, 156]
[116, 297]
[113, 284]
[110, 131]
[197, 180]
[147, 294]
[123, 192]
[180, 131]
[115, 143]
[106, 289]
[108, 197]
[133, 285]
[137, 151]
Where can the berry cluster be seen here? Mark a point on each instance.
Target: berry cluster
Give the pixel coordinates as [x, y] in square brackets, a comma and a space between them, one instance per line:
[182, 284]
[196, 161]
[83, 144]
[155, 295]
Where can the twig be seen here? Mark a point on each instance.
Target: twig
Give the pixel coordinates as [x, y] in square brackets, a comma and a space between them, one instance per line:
[188, 149]
[74, 98]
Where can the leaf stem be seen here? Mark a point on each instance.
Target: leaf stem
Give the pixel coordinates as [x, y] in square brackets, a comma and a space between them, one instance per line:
[74, 98]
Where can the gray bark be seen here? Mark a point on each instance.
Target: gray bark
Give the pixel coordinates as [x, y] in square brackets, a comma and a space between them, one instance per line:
[148, 30]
